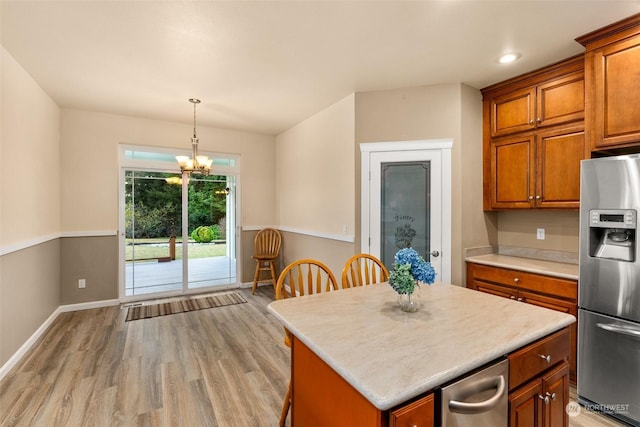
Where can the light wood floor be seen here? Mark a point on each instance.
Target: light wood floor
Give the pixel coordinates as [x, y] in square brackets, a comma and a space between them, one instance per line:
[226, 366]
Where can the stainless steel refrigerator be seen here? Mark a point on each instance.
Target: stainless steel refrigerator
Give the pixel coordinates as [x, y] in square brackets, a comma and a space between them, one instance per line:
[609, 287]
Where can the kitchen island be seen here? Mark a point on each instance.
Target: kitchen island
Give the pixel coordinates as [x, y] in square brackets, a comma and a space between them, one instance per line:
[383, 358]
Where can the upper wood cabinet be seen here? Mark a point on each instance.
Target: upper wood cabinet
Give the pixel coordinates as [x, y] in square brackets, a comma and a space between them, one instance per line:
[540, 170]
[553, 102]
[612, 78]
[534, 139]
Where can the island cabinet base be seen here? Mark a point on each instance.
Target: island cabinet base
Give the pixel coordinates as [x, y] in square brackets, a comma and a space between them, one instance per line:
[539, 383]
[322, 398]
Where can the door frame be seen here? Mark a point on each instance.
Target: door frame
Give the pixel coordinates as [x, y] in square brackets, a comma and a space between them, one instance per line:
[232, 169]
[442, 147]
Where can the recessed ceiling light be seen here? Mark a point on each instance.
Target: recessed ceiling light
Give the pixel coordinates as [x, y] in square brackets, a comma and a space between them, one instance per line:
[508, 57]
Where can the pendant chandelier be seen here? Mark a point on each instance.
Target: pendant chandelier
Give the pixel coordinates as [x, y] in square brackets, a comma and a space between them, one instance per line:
[196, 163]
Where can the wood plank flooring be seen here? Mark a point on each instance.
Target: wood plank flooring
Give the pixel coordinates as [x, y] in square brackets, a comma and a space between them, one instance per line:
[225, 366]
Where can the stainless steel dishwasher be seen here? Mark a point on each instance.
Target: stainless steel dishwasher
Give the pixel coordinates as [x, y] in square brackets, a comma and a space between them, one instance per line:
[480, 399]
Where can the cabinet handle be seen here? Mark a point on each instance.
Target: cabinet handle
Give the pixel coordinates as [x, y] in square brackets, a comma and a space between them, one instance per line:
[521, 299]
[539, 120]
[547, 357]
[538, 197]
[512, 297]
[530, 197]
[516, 279]
[531, 122]
[544, 398]
[552, 396]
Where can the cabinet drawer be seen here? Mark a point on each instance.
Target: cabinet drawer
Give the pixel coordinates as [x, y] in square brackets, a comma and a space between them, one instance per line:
[557, 287]
[532, 360]
[415, 414]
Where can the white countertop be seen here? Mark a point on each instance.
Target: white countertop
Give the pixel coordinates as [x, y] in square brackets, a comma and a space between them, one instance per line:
[549, 268]
[390, 356]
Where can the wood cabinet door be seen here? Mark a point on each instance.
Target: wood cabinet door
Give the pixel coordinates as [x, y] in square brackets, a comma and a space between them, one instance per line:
[525, 406]
[513, 112]
[417, 414]
[561, 100]
[559, 153]
[512, 172]
[555, 386]
[615, 96]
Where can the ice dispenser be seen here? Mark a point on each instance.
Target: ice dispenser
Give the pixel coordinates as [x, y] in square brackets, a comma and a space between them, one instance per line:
[612, 234]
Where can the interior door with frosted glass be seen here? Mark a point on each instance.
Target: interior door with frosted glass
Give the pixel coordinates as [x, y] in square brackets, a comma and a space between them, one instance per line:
[406, 205]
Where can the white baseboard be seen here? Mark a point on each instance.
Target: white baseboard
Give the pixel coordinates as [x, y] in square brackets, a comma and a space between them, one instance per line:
[13, 361]
[24, 348]
[88, 305]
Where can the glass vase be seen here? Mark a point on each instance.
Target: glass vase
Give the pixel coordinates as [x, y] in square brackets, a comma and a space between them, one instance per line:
[410, 302]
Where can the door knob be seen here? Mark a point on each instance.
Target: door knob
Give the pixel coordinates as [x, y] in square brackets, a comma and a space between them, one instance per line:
[435, 253]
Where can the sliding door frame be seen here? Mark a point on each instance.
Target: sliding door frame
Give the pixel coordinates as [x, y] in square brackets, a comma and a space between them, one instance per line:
[224, 165]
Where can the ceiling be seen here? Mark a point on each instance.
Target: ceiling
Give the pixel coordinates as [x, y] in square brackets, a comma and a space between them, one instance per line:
[263, 66]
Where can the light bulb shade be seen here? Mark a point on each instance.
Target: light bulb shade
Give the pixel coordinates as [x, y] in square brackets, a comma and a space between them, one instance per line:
[182, 160]
[202, 160]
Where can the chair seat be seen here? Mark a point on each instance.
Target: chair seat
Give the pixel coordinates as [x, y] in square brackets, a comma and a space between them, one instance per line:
[264, 257]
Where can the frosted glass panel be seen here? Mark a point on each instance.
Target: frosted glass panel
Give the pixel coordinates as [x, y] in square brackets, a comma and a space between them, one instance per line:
[405, 205]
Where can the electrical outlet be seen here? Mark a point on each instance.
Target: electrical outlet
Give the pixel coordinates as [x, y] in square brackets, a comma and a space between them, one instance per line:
[82, 283]
[540, 234]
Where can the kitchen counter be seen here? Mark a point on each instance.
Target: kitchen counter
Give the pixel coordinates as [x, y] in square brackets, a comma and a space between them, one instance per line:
[390, 356]
[549, 268]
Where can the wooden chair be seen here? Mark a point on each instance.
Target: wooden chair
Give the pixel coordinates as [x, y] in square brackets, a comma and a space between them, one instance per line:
[303, 277]
[266, 249]
[363, 269]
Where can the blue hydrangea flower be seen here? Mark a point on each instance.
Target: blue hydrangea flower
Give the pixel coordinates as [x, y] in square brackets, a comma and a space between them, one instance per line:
[409, 266]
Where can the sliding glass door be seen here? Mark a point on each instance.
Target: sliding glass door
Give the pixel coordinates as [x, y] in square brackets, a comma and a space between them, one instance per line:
[153, 224]
[211, 251]
[178, 233]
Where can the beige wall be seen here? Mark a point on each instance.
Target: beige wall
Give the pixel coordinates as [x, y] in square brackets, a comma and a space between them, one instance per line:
[518, 228]
[333, 253]
[434, 112]
[90, 188]
[94, 259]
[30, 293]
[477, 227]
[30, 174]
[30, 207]
[315, 201]
[314, 175]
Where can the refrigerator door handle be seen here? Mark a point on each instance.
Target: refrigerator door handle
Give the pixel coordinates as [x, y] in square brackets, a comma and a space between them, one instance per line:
[625, 330]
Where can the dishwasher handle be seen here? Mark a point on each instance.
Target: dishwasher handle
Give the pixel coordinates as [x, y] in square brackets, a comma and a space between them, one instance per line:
[477, 387]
